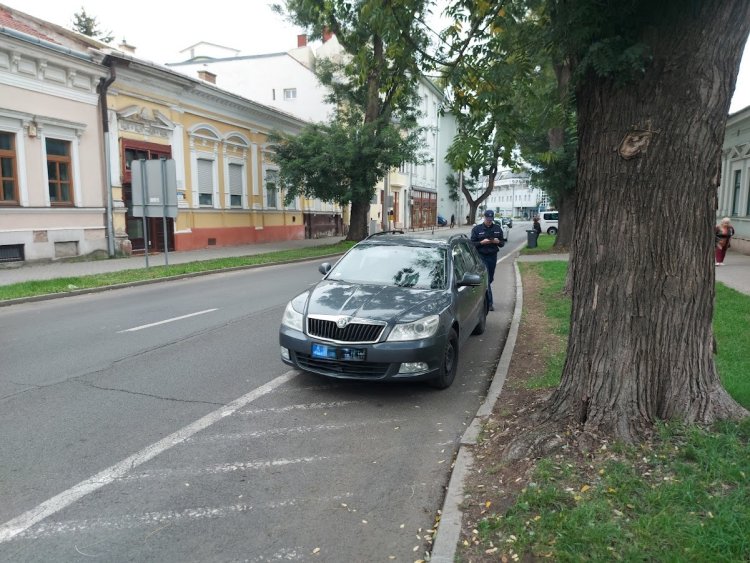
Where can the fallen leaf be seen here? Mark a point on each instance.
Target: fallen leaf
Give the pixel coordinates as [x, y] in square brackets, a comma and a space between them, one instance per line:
[316, 551]
[585, 488]
[490, 551]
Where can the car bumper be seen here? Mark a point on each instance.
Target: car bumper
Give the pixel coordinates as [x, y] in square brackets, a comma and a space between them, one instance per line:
[383, 361]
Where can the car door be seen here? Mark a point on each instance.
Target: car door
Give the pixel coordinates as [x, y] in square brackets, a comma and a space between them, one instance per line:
[467, 297]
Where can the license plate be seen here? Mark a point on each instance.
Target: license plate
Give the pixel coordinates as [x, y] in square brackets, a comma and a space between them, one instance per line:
[332, 353]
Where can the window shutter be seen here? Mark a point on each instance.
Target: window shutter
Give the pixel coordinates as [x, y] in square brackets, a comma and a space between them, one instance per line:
[235, 179]
[205, 176]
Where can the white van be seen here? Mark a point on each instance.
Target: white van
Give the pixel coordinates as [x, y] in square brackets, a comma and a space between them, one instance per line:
[548, 221]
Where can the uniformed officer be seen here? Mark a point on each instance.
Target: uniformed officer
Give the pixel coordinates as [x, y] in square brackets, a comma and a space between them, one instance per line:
[488, 238]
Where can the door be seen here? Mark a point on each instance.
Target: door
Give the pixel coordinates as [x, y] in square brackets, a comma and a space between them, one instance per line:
[137, 150]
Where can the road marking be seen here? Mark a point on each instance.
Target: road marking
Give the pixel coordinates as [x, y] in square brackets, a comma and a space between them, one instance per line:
[304, 407]
[295, 430]
[130, 521]
[167, 321]
[23, 522]
[221, 468]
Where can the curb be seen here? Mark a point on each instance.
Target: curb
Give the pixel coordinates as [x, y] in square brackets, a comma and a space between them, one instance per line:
[449, 530]
[100, 289]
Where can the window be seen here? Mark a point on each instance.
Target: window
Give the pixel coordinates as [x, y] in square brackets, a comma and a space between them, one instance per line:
[9, 191]
[290, 93]
[235, 185]
[205, 182]
[59, 175]
[272, 187]
[736, 195]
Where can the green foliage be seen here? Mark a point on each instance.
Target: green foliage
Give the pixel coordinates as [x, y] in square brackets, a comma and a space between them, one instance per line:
[452, 181]
[87, 25]
[342, 161]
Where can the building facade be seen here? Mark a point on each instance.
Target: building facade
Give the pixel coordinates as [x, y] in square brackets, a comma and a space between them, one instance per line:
[733, 198]
[514, 196]
[52, 201]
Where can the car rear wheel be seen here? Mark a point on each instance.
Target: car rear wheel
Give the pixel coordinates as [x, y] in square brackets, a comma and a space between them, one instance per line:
[482, 324]
[449, 365]
[552, 231]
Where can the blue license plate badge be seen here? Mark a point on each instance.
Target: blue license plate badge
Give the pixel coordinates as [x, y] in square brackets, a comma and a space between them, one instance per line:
[331, 353]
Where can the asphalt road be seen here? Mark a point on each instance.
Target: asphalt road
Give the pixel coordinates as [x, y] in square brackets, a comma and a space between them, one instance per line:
[158, 423]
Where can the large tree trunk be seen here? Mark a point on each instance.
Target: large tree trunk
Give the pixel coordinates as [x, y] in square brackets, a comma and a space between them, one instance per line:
[643, 287]
[360, 213]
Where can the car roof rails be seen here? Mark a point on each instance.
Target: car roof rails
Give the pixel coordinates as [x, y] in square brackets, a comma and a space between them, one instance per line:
[391, 232]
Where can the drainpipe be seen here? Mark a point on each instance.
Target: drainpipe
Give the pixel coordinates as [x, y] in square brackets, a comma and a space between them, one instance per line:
[104, 84]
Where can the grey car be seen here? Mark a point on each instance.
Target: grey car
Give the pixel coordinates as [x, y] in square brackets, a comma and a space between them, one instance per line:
[394, 307]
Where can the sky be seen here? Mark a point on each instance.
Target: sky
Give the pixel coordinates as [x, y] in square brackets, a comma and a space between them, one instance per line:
[160, 30]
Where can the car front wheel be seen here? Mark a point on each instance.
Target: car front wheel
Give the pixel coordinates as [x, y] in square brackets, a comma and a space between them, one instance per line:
[449, 364]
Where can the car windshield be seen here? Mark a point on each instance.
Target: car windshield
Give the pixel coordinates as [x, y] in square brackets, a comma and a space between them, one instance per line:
[400, 266]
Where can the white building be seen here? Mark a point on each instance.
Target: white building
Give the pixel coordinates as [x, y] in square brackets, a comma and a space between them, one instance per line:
[734, 189]
[283, 80]
[514, 196]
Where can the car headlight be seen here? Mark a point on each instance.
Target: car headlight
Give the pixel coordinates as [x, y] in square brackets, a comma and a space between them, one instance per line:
[423, 328]
[292, 318]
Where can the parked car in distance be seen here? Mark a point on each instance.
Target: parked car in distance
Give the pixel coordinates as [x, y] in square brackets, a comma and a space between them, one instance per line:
[441, 221]
[503, 226]
[394, 307]
[548, 221]
[507, 221]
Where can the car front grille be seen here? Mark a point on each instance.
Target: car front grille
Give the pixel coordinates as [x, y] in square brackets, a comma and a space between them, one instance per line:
[355, 332]
[365, 370]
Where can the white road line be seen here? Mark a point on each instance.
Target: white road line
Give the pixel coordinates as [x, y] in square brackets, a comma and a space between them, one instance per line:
[295, 430]
[134, 329]
[23, 522]
[130, 521]
[221, 468]
[303, 407]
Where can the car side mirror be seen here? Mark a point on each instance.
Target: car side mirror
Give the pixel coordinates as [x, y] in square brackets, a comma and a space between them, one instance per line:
[470, 279]
[324, 268]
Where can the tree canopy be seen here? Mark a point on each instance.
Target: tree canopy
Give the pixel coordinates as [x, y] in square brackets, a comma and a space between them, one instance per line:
[375, 81]
[88, 25]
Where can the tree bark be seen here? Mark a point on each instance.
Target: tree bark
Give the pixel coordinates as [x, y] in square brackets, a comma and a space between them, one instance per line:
[643, 269]
[360, 213]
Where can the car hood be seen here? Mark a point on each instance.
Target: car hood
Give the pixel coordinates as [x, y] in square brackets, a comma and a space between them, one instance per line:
[376, 302]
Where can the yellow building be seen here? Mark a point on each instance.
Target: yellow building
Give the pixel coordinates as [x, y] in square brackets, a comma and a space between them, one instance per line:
[227, 184]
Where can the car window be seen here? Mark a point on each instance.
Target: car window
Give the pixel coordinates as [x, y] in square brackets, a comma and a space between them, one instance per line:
[550, 216]
[471, 258]
[392, 265]
[459, 265]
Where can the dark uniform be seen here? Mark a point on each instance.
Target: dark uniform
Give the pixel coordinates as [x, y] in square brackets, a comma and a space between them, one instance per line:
[488, 251]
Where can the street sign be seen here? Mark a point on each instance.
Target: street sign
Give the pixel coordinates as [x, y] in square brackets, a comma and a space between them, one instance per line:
[156, 182]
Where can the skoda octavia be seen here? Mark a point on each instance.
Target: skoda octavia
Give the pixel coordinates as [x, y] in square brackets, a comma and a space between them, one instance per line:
[394, 307]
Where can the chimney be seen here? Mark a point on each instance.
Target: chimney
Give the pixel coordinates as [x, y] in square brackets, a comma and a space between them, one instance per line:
[301, 40]
[327, 34]
[207, 76]
[126, 48]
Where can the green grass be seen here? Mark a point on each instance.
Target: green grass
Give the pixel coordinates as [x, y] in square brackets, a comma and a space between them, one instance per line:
[732, 330]
[544, 244]
[557, 310]
[62, 285]
[681, 496]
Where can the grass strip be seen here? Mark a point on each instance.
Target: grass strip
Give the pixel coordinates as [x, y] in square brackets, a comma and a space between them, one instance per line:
[681, 496]
[544, 243]
[63, 285]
